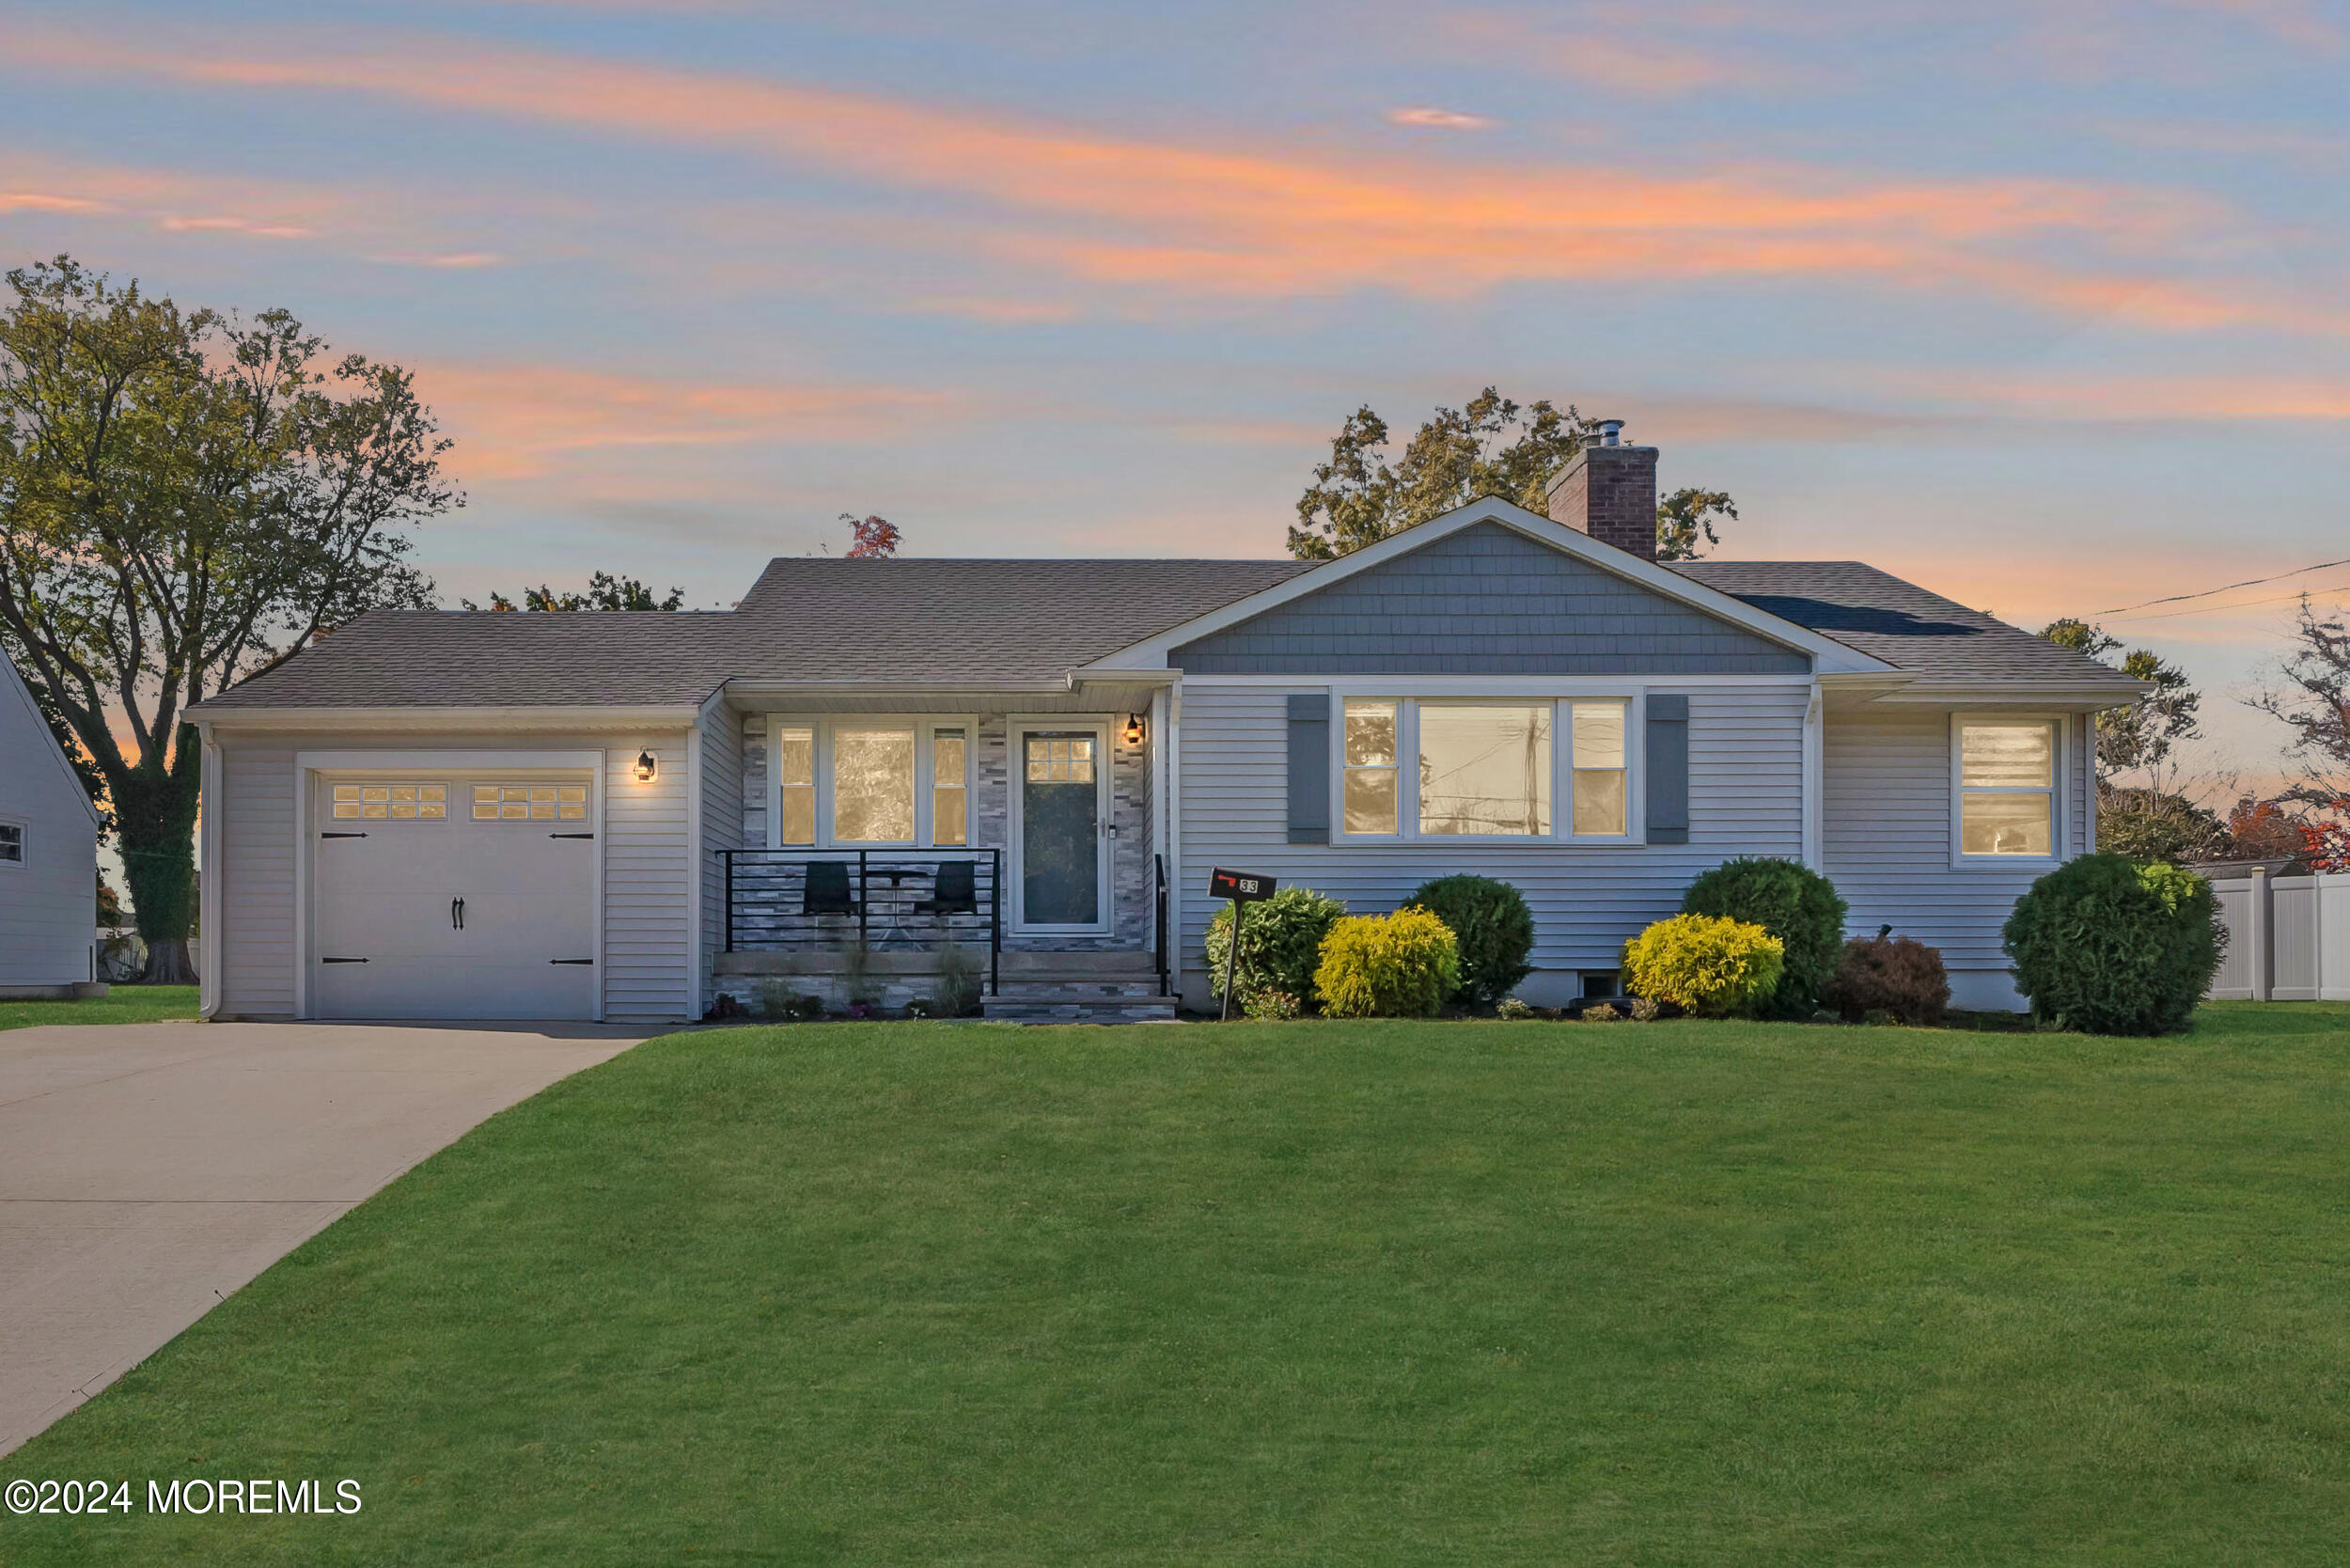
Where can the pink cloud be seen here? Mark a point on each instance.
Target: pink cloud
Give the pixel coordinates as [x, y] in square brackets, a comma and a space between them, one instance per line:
[1268, 224]
[1440, 120]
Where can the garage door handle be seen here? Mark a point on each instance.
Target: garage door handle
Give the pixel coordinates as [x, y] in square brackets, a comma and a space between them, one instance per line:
[570, 835]
[456, 914]
[589, 961]
[342, 835]
[342, 961]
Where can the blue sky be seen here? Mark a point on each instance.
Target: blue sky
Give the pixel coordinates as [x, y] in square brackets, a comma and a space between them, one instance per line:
[2041, 305]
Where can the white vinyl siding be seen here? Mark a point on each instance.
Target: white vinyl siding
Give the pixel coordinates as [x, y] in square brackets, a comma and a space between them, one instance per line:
[646, 864]
[1745, 797]
[1888, 834]
[252, 892]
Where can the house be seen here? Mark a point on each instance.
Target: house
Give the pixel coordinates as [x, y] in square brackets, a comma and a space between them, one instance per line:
[1036, 763]
[48, 855]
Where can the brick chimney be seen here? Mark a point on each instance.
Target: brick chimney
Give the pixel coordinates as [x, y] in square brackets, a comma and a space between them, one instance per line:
[1608, 491]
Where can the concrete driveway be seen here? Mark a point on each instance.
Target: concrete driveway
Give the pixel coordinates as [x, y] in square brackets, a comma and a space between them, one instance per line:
[149, 1170]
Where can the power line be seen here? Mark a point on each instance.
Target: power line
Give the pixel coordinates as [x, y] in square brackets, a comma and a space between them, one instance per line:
[2248, 582]
[2240, 604]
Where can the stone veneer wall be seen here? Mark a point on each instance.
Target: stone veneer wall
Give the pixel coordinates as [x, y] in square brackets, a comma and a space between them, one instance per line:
[1131, 852]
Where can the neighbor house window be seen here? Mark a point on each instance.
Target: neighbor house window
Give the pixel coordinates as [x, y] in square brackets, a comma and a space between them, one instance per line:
[1484, 768]
[950, 794]
[1370, 767]
[872, 786]
[1602, 795]
[795, 780]
[2007, 788]
[392, 801]
[11, 843]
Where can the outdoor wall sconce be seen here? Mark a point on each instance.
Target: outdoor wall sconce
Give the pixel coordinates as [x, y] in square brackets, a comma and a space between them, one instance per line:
[1134, 728]
[648, 766]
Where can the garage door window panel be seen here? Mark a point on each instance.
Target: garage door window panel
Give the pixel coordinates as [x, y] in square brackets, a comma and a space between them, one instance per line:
[530, 803]
[365, 802]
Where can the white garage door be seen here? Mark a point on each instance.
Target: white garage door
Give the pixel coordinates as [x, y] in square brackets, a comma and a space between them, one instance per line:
[453, 897]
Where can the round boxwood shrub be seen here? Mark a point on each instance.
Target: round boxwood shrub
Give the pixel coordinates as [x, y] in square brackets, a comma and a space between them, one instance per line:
[1281, 943]
[1490, 922]
[1705, 964]
[2109, 947]
[1793, 902]
[1399, 966]
[1896, 975]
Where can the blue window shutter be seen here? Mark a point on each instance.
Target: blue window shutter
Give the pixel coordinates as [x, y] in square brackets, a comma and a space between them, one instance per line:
[1668, 761]
[1309, 767]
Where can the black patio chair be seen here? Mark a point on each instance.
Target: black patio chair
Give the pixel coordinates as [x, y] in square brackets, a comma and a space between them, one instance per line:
[955, 891]
[827, 891]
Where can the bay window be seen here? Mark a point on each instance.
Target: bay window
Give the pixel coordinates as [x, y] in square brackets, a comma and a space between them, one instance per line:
[2006, 787]
[857, 782]
[1445, 768]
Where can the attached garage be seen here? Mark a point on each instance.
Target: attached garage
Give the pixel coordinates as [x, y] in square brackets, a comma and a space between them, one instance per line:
[462, 886]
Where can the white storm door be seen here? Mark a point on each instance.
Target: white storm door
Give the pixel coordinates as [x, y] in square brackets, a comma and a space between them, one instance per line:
[455, 917]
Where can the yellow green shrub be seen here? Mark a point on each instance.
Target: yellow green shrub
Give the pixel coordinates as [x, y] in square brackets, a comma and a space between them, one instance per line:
[1399, 966]
[1707, 964]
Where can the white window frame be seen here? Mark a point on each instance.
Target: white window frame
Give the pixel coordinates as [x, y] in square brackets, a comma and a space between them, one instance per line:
[922, 726]
[23, 843]
[2060, 762]
[1407, 706]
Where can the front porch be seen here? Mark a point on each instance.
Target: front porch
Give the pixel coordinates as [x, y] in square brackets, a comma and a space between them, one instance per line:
[891, 929]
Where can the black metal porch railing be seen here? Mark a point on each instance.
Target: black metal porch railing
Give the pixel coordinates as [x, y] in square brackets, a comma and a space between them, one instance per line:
[1158, 871]
[893, 900]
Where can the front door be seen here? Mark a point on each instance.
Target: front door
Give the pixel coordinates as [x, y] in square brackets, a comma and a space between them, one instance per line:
[1061, 828]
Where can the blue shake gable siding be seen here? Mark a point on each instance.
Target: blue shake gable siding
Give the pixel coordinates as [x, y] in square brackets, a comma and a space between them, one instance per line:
[1487, 601]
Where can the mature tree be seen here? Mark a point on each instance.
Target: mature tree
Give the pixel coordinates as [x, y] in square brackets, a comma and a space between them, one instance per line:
[2313, 701]
[1685, 523]
[604, 592]
[872, 538]
[185, 500]
[2149, 825]
[1492, 445]
[2142, 734]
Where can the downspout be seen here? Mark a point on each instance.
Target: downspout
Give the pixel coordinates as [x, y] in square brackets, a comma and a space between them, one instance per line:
[1174, 734]
[1814, 774]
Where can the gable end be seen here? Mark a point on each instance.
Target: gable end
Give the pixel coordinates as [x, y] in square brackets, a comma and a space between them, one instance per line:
[1485, 600]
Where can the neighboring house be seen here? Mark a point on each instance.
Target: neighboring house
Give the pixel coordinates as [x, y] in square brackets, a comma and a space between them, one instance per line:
[620, 815]
[48, 855]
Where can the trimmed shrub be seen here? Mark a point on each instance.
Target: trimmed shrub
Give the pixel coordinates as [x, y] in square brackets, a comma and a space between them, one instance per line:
[1268, 1003]
[1513, 1007]
[1898, 976]
[1705, 964]
[1793, 902]
[2107, 947]
[1493, 927]
[1399, 966]
[1281, 943]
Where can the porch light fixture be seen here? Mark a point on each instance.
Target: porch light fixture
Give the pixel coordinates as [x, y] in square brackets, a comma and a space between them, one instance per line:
[1134, 728]
[647, 767]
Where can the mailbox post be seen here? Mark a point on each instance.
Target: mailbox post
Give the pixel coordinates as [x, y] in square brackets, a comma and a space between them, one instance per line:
[1244, 889]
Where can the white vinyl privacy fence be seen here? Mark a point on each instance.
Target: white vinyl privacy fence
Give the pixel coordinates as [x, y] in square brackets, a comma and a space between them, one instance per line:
[2288, 936]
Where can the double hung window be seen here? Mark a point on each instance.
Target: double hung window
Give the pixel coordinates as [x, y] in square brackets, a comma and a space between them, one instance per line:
[2006, 789]
[1441, 768]
[853, 782]
[11, 843]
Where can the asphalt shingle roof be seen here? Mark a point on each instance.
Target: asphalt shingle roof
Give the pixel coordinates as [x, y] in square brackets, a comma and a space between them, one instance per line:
[1010, 623]
[1882, 615]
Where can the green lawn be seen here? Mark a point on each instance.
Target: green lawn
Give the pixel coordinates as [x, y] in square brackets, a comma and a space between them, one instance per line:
[122, 1004]
[1333, 1294]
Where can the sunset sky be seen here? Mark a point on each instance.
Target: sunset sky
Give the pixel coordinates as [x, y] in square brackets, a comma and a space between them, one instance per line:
[2044, 306]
